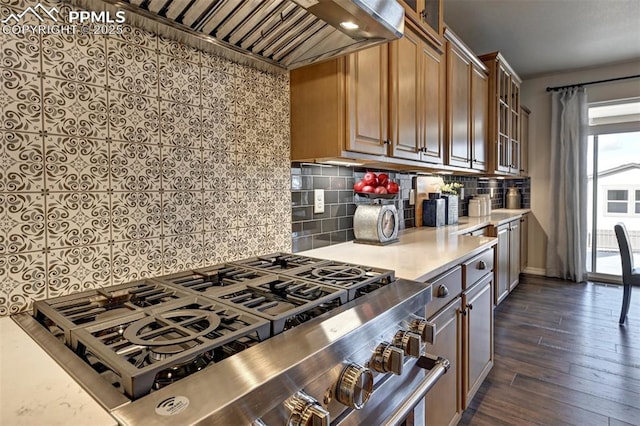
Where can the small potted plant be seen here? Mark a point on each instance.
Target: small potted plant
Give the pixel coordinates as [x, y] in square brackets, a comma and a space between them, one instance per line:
[450, 194]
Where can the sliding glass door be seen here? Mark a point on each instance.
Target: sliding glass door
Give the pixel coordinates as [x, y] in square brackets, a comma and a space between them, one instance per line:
[614, 186]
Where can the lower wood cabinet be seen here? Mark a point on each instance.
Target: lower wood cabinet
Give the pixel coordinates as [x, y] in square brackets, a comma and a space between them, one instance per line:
[477, 336]
[502, 262]
[464, 335]
[508, 258]
[514, 254]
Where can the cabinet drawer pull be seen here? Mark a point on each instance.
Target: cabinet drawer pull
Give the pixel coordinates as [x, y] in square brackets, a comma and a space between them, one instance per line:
[482, 265]
[463, 312]
[386, 142]
[443, 291]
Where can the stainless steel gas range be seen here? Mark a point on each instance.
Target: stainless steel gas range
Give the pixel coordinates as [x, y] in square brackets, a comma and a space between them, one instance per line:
[276, 339]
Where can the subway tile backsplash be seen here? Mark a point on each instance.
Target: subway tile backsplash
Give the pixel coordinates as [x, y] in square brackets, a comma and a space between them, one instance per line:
[128, 156]
[313, 230]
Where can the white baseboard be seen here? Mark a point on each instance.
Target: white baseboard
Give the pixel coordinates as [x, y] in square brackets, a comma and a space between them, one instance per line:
[534, 271]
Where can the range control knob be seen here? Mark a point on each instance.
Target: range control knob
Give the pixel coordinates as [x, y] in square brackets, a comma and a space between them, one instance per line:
[426, 330]
[354, 386]
[408, 341]
[306, 411]
[387, 359]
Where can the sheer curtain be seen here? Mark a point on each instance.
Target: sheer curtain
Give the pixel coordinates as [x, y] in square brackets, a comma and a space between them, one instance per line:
[567, 246]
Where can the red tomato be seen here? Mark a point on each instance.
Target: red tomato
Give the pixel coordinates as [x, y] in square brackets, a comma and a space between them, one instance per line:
[368, 188]
[381, 190]
[393, 188]
[370, 178]
[359, 185]
[383, 179]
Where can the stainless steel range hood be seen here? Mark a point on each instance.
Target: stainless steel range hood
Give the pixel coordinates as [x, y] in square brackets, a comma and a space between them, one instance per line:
[284, 33]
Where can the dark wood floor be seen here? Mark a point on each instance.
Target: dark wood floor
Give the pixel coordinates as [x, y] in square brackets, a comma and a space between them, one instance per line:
[561, 358]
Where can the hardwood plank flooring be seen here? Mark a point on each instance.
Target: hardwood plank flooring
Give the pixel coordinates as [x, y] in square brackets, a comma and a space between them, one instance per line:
[561, 358]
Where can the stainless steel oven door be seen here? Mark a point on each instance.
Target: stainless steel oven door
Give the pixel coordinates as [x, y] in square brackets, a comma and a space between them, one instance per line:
[400, 399]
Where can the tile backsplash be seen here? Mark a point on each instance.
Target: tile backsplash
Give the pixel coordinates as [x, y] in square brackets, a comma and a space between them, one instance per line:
[127, 156]
[313, 230]
[335, 225]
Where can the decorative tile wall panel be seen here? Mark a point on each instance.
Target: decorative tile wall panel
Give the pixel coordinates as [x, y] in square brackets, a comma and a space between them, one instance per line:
[70, 57]
[20, 101]
[23, 278]
[132, 67]
[21, 162]
[129, 156]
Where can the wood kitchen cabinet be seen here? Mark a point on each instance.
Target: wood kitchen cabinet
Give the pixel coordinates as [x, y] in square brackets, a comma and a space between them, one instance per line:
[477, 325]
[514, 254]
[462, 309]
[524, 140]
[524, 242]
[508, 258]
[341, 106]
[417, 75]
[502, 261]
[504, 115]
[427, 14]
[383, 104]
[467, 106]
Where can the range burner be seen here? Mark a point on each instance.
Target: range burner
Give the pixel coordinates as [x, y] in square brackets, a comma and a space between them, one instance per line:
[357, 280]
[210, 279]
[285, 301]
[65, 313]
[280, 262]
[142, 351]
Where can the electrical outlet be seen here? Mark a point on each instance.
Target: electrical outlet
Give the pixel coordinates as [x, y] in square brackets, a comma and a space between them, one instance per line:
[318, 200]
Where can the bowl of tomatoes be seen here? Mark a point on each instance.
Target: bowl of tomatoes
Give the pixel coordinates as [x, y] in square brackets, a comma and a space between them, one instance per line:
[376, 186]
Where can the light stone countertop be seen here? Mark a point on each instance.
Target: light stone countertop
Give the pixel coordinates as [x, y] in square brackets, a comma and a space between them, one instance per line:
[422, 253]
[36, 391]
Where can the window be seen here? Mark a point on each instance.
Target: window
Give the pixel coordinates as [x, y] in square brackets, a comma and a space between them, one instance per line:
[614, 181]
[617, 201]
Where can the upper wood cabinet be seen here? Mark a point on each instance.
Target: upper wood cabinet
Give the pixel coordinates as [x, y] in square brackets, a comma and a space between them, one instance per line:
[367, 100]
[427, 15]
[504, 115]
[382, 104]
[340, 107]
[417, 76]
[524, 140]
[467, 106]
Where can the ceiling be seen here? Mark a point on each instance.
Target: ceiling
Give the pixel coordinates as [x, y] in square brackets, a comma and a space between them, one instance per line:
[541, 37]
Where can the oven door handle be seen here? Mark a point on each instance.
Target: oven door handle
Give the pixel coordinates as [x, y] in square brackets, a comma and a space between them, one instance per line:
[437, 367]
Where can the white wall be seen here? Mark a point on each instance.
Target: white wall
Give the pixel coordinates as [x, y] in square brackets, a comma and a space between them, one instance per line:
[535, 97]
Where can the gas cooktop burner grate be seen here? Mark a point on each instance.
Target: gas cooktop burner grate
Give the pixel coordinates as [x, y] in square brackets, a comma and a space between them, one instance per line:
[65, 313]
[357, 280]
[211, 279]
[280, 298]
[146, 345]
[280, 262]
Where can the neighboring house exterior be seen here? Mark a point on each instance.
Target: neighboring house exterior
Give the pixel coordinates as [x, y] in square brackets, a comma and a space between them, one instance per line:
[618, 201]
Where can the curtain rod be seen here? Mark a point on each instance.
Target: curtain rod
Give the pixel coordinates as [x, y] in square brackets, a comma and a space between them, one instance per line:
[588, 83]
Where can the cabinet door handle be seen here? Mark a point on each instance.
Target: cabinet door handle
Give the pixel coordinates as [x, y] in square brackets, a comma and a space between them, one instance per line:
[482, 265]
[424, 14]
[463, 312]
[386, 142]
[443, 291]
[470, 306]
